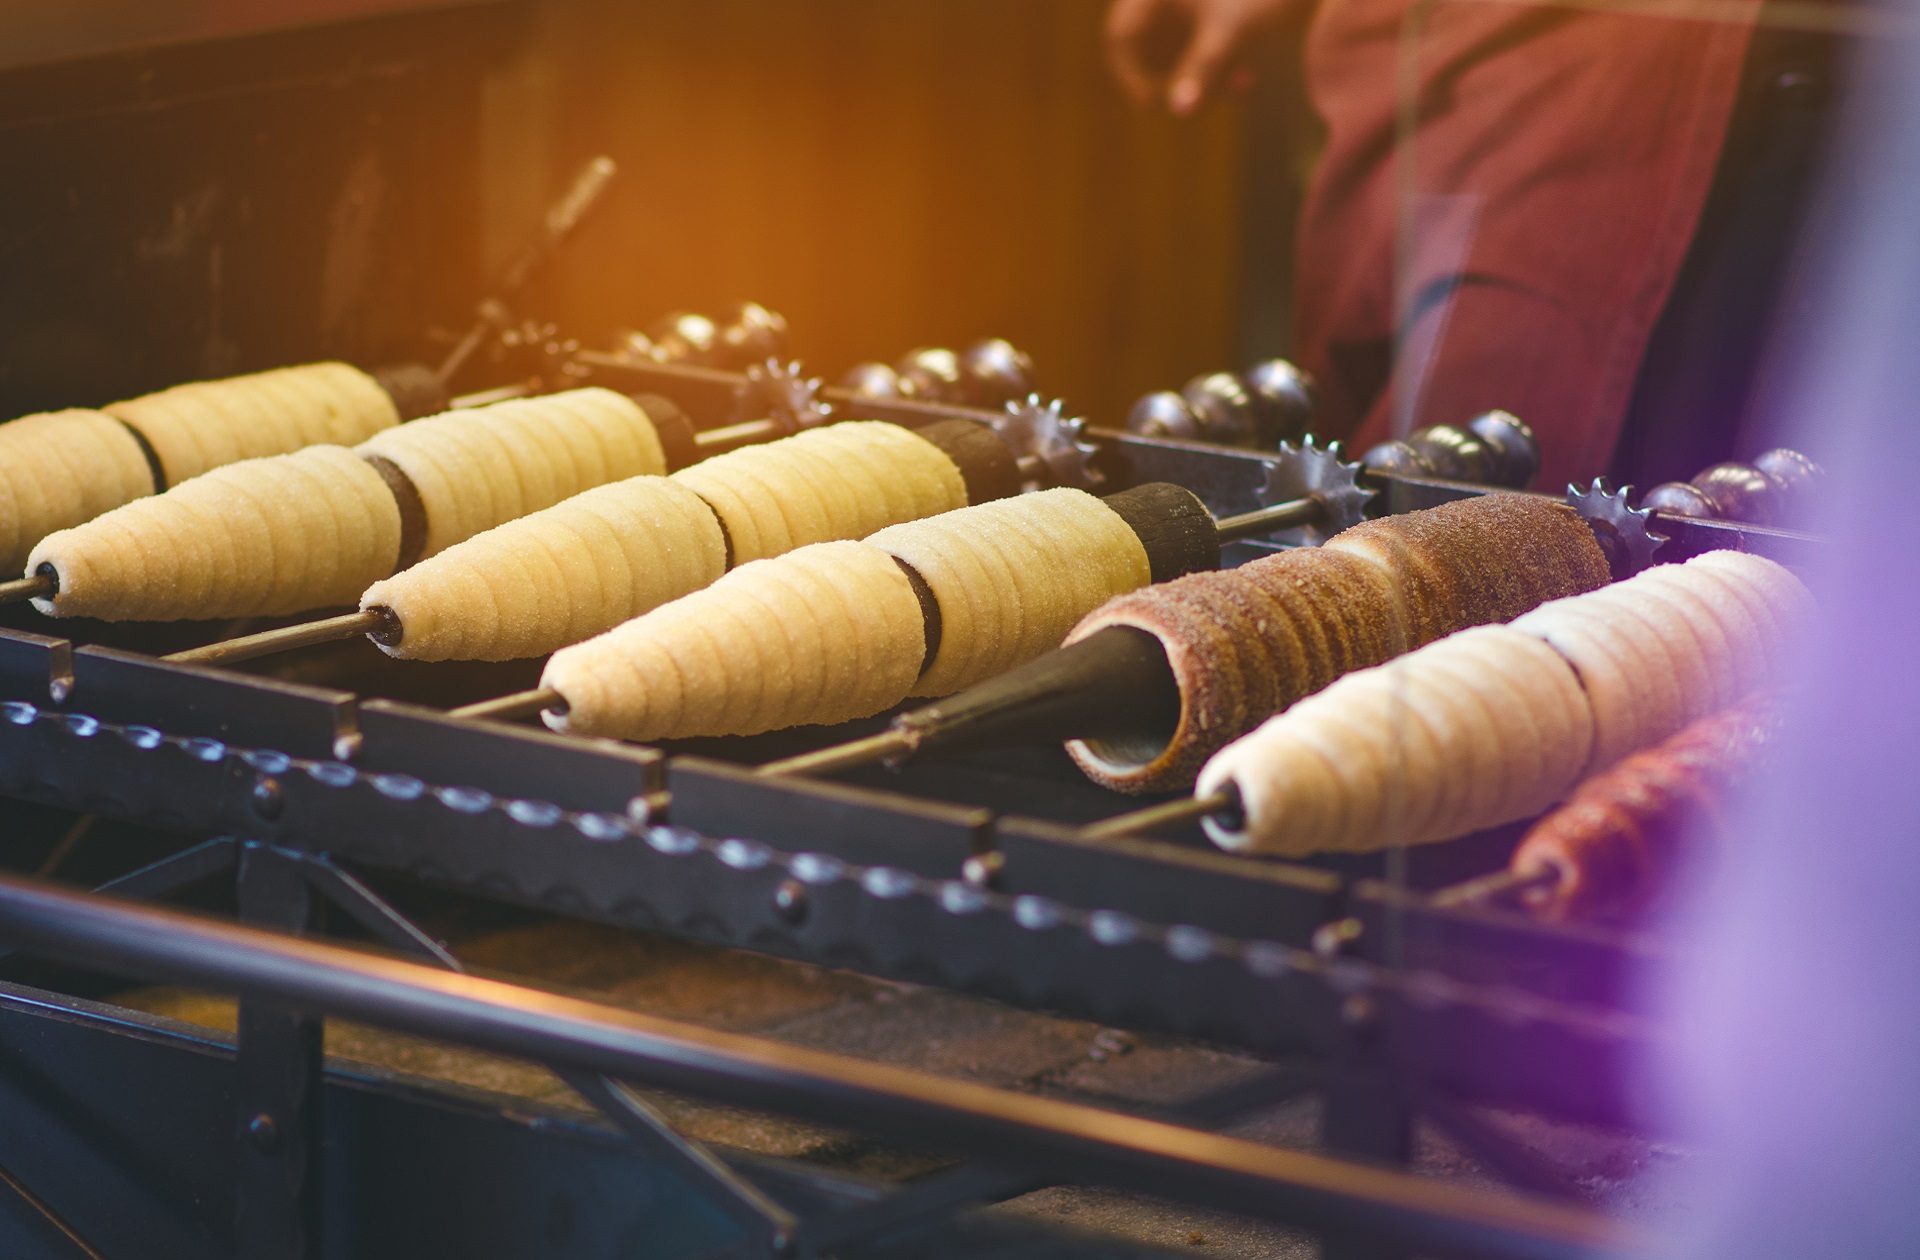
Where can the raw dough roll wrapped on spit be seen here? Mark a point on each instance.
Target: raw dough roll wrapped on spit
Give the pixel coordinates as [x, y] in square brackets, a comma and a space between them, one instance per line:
[292, 532]
[1496, 723]
[63, 468]
[1624, 834]
[562, 575]
[844, 630]
[1157, 680]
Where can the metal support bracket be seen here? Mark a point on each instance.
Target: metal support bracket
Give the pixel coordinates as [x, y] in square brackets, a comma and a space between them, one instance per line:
[276, 1199]
[770, 1223]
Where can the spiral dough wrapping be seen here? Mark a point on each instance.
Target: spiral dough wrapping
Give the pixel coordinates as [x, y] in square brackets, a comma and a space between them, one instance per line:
[558, 576]
[835, 631]
[204, 425]
[1624, 834]
[1011, 577]
[587, 564]
[843, 481]
[61, 469]
[1493, 724]
[827, 633]
[263, 536]
[478, 468]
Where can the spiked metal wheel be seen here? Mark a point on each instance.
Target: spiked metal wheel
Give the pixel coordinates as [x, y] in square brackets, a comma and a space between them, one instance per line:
[1625, 532]
[1310, 470]
[1049, 444]
[785, 393]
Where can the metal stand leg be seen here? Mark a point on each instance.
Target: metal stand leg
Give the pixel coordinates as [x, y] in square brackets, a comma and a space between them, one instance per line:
[276, 1199]
[1364, 1116]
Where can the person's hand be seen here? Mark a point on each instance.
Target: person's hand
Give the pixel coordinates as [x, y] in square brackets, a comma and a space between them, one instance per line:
[1184, 53]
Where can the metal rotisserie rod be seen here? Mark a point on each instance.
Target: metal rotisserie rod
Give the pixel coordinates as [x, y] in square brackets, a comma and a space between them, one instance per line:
[1186, 809]
[368, 621]
[1494, 886]
[21, 589]
[514, 706]
[1116, 680]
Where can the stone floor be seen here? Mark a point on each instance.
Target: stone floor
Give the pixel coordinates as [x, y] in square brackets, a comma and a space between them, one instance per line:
[927, 1029]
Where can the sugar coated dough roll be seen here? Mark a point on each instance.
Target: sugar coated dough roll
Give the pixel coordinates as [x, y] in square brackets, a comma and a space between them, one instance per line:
[1245, 643]
[843, 481]
[558, 576]
[203, 425]
[1481, 727]
[264, 536]
[60, 469]
[1013, 576]
[485, 466]
[823, 634]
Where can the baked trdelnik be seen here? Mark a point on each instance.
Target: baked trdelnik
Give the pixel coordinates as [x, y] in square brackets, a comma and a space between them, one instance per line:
[1246, 643]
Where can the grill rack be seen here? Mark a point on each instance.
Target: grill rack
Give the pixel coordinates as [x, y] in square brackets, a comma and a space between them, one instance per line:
[1467, 1004]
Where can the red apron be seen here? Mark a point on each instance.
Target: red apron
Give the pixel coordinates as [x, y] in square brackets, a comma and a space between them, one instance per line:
[1519, 251]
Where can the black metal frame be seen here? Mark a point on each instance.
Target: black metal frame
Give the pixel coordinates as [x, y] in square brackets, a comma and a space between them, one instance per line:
[1431, 1007]
[596, 1047]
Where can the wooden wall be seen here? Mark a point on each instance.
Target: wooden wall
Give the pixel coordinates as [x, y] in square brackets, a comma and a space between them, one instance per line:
[887, 175]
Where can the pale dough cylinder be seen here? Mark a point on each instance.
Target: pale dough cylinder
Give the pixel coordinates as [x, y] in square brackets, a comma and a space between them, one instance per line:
[1479, 728]
[1622, 672]
[484, 466]
[752, 652]
[558, 576]
[261, 537]
[1779, 602]
[1012, 577]
[843, 481]
[206, 424]
[60, 469]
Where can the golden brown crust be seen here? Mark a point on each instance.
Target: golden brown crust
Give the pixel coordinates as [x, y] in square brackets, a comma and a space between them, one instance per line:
[1248, 642]
[1243, 644]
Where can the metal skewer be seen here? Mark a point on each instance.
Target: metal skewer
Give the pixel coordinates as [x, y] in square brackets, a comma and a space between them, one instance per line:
[1270, 520]
[1331, 939]
[1218, 805]
[373, 621]
[499, 394]
[22, 589]
[1496, 886]
[518, 704]
[887, 745]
